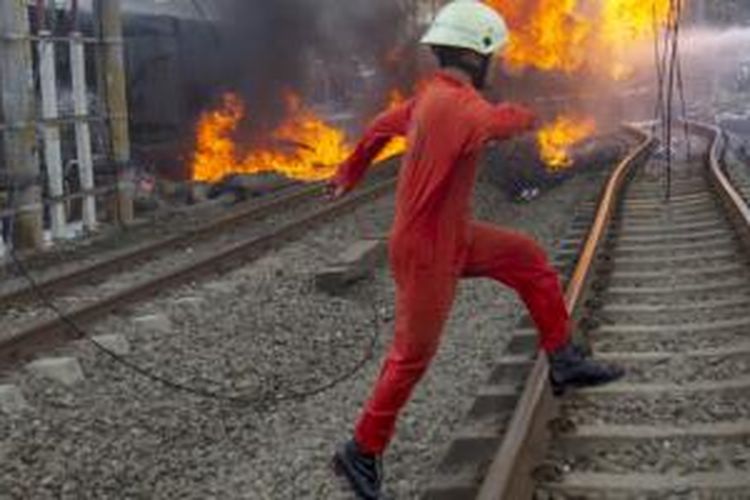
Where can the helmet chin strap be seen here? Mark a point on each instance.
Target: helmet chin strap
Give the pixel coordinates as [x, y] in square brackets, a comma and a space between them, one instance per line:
[479, 78]
[476, 69]
[477, 73]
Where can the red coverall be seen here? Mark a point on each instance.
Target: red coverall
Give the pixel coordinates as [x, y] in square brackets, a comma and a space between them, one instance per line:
[434, 242]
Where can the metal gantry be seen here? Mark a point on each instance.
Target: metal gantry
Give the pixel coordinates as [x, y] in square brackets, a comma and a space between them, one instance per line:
[29, 115]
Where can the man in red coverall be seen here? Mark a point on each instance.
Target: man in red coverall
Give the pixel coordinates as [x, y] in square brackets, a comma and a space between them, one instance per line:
[434, 241]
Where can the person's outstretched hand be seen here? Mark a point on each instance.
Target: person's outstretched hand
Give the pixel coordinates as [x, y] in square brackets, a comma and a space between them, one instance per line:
[526, 118]
[335, 191]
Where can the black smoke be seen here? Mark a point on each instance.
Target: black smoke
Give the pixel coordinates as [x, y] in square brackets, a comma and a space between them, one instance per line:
[322, 50]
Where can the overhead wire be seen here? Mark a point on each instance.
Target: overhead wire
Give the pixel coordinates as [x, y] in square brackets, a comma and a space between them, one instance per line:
[658, 107]
[674, 30]
[670, 78]
[683, 105]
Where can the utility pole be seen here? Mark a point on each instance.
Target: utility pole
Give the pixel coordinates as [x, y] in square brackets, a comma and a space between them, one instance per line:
[19, 110]
[109, 14]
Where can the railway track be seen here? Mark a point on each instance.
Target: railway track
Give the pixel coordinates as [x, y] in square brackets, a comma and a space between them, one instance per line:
[663, 289]
[93, 291]
[673, 307]
[248, 212]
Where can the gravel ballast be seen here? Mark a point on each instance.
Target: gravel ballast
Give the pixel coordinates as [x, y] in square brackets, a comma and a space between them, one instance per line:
[660, 408]
[680, 334]
[655, 343]
[262, 331]
[681, 370]
[682, 456]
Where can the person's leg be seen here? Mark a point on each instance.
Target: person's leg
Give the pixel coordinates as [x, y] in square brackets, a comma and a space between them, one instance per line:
[517, 261]
[423, 301]
[422, 306]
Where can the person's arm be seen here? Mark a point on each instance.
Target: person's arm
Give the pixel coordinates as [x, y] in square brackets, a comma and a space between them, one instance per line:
[506, 120]
[387, 125]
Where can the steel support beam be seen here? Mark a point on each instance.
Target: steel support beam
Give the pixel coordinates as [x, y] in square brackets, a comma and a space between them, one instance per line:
[51, 133]
[83, 131]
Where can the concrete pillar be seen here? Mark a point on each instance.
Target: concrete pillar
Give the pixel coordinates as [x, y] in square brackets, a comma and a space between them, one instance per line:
[52, 145]
[109, 13]
[19, 111]
[83, 131]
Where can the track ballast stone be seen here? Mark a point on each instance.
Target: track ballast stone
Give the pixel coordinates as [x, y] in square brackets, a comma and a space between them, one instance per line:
[266, 332]
[677, 318]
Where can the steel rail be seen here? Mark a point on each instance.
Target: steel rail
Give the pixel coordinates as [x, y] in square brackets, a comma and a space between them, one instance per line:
[509, 476]
[733, 202]
[247, 212]
[51, 333]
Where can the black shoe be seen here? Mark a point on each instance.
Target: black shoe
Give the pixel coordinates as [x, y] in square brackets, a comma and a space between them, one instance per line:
[364, 472]
[569, 367]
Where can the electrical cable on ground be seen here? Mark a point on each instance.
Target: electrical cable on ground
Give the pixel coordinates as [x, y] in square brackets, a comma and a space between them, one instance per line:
[78, 332]
[292, 396]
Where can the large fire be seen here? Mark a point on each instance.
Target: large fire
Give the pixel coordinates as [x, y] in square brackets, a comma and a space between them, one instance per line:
[626, 21]
[572, 36]
[303, 148]
[550, 39]
[559, 35]
[565, 35]
[556, 138]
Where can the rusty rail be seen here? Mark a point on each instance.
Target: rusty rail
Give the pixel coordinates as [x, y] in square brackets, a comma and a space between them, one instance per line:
[247, 212]
[509, 476]
[732, 200]
[54, 332]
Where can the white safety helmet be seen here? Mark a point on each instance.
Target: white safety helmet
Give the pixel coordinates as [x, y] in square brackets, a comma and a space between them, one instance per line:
[468, 24]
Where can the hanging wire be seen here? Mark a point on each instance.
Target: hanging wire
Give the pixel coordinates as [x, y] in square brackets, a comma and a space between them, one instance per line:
[659, 106]
[683, 105]
[671, 73]
[669, 78]
[675, 82]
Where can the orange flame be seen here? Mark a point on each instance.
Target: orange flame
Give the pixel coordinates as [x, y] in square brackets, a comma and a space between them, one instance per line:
[303, 148]
[306, 148]
[624, 22]
[547, 37]
[556, 138]
[563, 35]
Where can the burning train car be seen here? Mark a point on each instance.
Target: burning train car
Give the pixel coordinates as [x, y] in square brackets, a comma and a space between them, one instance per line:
[204, 78]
